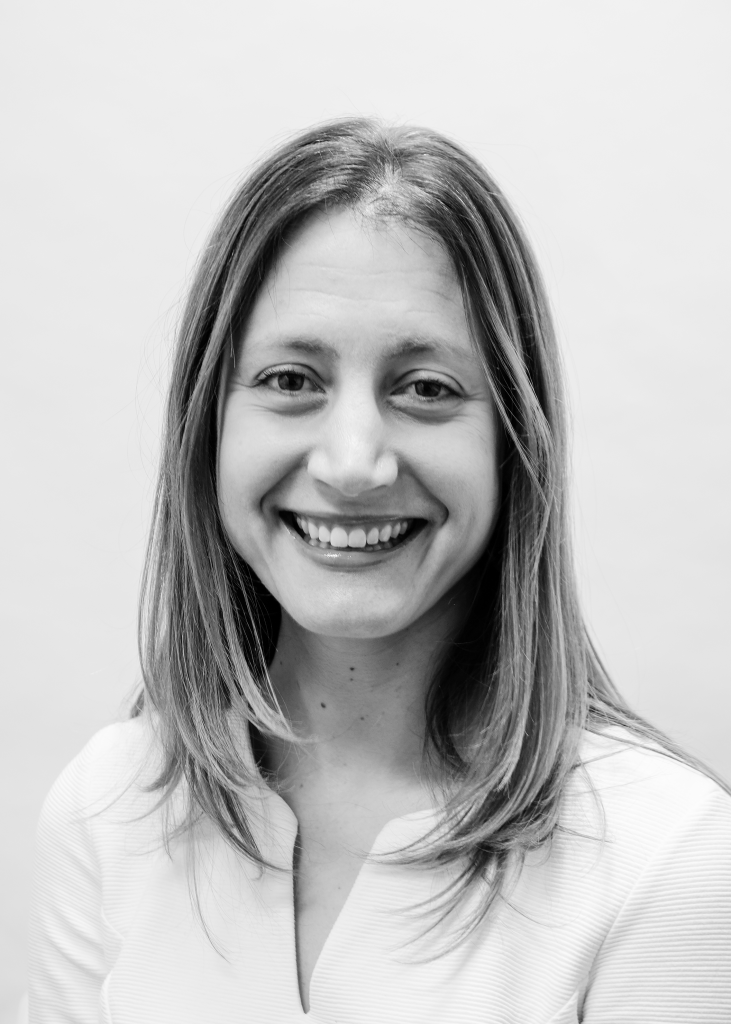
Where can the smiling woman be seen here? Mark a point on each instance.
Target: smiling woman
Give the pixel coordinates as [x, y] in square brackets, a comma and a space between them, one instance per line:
[358, 465]
[376, 770]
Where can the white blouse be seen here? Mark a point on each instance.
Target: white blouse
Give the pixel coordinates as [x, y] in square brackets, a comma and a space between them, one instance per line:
[626, 918]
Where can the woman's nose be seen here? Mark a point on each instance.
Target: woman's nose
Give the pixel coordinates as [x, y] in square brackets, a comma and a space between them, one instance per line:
[351, 453]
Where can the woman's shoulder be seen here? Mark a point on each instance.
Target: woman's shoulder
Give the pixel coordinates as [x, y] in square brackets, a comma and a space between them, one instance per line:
[621, 764]
[639, 799]
[107, 781]
[638, 830]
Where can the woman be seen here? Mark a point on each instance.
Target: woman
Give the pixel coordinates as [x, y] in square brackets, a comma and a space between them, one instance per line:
[376, 771]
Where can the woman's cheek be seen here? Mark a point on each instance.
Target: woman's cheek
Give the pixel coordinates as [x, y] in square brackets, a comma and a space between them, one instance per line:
[256, 456]
[460, 466]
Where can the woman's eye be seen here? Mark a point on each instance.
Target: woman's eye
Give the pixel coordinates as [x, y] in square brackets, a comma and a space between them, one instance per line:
[290, 381]
[429, 389]
[285, 381]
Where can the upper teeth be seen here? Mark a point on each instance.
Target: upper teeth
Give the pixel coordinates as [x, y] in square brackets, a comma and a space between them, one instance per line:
[352, 537]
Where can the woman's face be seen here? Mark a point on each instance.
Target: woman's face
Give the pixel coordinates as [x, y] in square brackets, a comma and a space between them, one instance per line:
[358, 470]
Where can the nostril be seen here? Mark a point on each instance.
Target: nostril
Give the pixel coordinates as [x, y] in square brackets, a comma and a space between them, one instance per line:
[352, 469]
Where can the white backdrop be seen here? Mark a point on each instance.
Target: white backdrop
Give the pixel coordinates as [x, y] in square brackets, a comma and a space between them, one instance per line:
[126, 125]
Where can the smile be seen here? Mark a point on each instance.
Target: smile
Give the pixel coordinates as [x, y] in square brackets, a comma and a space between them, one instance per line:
[374, 535]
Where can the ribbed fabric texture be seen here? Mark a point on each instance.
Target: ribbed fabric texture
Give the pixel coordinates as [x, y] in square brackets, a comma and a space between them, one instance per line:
[625, 919]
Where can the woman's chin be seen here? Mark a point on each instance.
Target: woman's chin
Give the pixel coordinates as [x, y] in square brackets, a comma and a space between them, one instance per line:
[353, 625]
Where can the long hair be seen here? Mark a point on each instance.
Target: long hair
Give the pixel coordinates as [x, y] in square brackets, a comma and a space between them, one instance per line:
[512, 693]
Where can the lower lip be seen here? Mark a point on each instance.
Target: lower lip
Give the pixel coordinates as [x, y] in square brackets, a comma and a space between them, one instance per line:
[349, 558]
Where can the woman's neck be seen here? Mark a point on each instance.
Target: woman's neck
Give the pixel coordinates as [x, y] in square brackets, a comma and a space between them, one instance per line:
[361, 703]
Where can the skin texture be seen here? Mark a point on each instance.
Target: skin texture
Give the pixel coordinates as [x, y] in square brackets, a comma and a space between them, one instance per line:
[375, 407]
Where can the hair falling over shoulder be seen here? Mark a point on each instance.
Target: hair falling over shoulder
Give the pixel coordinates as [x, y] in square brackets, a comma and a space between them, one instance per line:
[512, 694]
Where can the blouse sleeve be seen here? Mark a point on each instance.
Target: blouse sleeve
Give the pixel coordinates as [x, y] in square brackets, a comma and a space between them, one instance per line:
[667, 958]
[67, 964]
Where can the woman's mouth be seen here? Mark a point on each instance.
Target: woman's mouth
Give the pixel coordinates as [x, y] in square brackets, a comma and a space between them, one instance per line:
[373, 535]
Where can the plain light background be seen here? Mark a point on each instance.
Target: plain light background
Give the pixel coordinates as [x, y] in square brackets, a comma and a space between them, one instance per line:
[126, 126]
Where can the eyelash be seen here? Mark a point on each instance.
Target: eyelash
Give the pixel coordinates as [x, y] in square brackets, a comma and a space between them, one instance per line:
[281, 371]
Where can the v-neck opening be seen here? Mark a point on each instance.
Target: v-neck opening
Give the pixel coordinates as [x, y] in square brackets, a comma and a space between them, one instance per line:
[321, 960]
[316, 967]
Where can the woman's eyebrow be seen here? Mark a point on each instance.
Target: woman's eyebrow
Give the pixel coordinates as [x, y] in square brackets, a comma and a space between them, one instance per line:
[417, 345]
[412, 345]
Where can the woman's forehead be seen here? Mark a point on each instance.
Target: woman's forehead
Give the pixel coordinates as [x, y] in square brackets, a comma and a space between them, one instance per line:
[343, 272]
